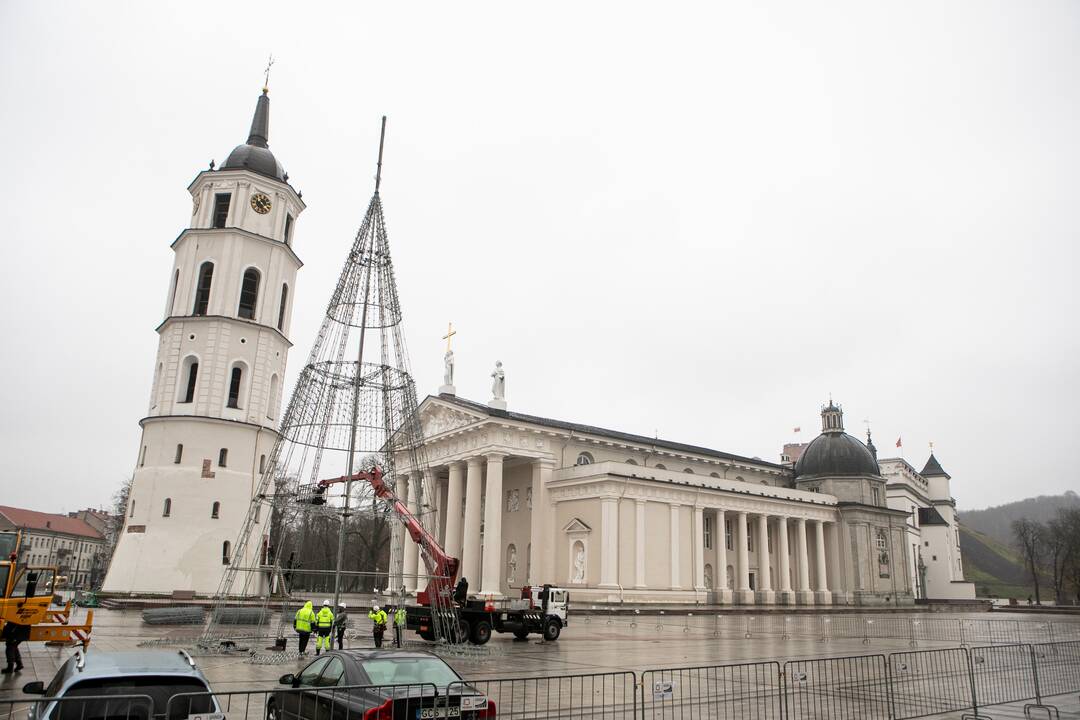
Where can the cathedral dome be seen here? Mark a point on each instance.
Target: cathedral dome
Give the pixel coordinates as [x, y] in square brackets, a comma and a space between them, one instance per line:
[834, 453]
[255, 155]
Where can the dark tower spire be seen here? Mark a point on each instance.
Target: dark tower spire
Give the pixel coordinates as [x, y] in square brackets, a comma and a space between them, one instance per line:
[260, 124]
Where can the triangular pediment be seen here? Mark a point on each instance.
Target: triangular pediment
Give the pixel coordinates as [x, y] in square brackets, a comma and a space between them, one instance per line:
[576, 526]
[437, 418]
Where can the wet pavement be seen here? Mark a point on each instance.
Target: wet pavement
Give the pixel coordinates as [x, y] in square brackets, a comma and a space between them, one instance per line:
[599, 645]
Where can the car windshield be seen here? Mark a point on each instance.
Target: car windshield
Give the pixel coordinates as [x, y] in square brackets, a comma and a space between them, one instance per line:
[409, 670]
[159, 689]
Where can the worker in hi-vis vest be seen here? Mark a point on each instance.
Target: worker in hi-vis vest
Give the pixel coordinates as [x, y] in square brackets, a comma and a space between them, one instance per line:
[324, 624]
[305, 619]
[378, 618]
[399, 625]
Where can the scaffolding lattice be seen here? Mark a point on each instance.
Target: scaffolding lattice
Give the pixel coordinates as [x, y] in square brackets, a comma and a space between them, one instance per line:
[353, 406]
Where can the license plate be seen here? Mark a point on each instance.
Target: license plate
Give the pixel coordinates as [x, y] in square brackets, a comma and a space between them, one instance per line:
[442, 712]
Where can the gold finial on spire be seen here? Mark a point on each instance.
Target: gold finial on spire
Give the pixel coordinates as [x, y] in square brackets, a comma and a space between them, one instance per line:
[450, 332]
[931, 447]
[266, 76]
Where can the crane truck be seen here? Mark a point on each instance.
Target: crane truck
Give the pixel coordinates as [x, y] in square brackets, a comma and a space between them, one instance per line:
[444, 610]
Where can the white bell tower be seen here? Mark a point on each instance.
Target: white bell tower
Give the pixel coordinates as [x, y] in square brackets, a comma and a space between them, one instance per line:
[218, 377]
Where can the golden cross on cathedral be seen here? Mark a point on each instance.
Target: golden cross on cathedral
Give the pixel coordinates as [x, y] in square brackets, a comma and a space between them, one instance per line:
[266, 81]
[450, 332]
[931, 447]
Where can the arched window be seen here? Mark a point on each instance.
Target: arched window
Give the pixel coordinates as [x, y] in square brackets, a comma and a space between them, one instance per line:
[226, 548]
[739, 478]
[631, 461]
[202, 290]
[689, 471]
[189, 375]
[222, 457]
[234, 386]
[179, 453]
[660, 467]
[281, 308]
[166, 510]
[272, 401]
[584, 459]
[249, 294]
[215, 510]
[714, 474]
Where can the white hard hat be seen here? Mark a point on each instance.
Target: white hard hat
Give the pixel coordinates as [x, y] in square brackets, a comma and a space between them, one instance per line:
[375, 608]
[326, 603]
[341, 605]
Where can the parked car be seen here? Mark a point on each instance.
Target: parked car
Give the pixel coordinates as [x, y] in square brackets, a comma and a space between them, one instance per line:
[377, 685]
[137, 685]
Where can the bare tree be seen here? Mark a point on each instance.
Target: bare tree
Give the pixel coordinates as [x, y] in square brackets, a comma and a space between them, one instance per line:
[1029, 536]
[1069, 519]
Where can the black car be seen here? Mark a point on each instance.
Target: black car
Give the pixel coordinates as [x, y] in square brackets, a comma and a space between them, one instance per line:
[377, 685]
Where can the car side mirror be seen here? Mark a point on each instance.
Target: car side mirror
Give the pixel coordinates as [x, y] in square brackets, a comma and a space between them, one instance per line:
[34, 688]
[289, 680]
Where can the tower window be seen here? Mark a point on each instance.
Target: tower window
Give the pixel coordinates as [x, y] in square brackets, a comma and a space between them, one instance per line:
[202, 290]
[192, 378]
[249, 294]
[215, 510]
[226, 548]
[234, 387]
[707, 532]
[167, 509]
[179, 454]
[132, 508]
[584, 459]
[223, 455]
[221, 209]
[288, 229]
[281, 308]
[262, 464]
[271, 405]
[142, 456]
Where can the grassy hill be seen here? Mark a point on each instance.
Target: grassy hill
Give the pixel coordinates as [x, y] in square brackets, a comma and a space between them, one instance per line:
[995, 568]
[996, 522]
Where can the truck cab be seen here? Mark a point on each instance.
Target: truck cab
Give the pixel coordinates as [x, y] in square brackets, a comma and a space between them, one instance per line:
[552, 601]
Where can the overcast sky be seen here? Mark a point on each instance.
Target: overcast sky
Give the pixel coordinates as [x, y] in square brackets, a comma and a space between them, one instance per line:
[689, 219]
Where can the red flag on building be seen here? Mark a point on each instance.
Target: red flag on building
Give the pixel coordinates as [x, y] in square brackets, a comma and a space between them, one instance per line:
[898, 443]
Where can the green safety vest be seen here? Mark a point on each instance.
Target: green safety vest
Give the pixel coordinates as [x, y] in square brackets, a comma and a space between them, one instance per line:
[325, 618]
[379, 618]
[399, 616]
[304, 617]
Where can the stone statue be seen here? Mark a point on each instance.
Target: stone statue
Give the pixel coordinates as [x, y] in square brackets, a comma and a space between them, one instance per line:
[708, 577]
[528, 497]
[511, 565]
[448, 368]
[498, 385]
[579, 564]
[512, 500]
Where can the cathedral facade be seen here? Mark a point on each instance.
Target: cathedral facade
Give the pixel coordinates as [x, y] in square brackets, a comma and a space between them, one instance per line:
[222, 349]
[616, 517]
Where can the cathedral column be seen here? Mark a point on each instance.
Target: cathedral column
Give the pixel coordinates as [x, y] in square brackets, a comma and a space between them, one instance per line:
[455, 493]
[783, 566]
[639, 543]
[765, 594]
[721, 580]
[743, 594]
[541, 525]
[491, 583]
[609, 542]
[407, 494]
[803, 596]
[823, 596]
[674, 542]
[699, 549]
[470, 550]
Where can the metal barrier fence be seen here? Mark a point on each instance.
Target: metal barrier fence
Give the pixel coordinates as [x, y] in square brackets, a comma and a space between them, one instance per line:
[84, 707]
[845, 688]
[600, 695]
[749, 690]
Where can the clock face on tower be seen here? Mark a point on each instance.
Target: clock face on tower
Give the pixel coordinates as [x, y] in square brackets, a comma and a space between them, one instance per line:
[260, 203]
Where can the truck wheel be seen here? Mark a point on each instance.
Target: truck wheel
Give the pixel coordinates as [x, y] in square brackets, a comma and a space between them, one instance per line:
[521, 634]
[481, 633]
[462, 632]
[552, 628]
[428, 635]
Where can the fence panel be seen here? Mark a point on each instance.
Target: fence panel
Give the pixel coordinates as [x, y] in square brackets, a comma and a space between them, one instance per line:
[929, 682]
[602, 695]
[1002, 674]
[1057, 667]
[844, 688]
[722, 692]
[85, 707]
[402, 701]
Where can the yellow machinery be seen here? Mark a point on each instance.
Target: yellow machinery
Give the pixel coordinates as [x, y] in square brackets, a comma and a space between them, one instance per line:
[28, 598]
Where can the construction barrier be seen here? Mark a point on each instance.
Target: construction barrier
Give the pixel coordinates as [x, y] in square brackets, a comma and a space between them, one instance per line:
[925, 683]
[601, 695]
[842, 688]
[86, 707]
[724, 692]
